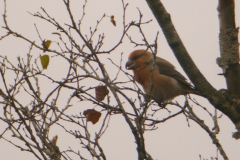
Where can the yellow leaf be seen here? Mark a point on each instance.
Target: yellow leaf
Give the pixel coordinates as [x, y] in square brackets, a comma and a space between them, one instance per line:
[44, 61]
[46, 45]
[113, 21]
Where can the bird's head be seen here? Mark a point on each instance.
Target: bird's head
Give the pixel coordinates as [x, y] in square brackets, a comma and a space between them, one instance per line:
[138, 59]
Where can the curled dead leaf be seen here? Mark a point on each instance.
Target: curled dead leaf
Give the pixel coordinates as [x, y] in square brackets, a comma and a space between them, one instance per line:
[46, 44]
[57, 154]
[56, 33]
[54, 140]
[113, 21]
[101, 92]
[92, 115]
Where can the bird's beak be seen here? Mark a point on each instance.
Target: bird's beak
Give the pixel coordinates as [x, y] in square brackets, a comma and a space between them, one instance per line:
[130, 65]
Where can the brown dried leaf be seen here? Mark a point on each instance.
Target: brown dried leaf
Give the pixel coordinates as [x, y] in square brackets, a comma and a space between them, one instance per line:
[46, 45]
[56, 149]
[101, 92]
[113, 21]
[92, 115]
[54, 140]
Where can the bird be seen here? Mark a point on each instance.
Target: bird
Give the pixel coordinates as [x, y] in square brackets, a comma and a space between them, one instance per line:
[167, 83]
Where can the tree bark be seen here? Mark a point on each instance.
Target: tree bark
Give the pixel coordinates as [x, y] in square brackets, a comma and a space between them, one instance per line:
[229, 46]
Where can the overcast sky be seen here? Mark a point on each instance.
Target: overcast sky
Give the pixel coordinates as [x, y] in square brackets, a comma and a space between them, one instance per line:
[198, 26]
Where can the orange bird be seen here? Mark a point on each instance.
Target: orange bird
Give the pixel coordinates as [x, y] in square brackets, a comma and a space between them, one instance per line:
[167, 82]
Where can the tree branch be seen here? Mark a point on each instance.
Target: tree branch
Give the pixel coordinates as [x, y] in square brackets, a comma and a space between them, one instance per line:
[179, 50]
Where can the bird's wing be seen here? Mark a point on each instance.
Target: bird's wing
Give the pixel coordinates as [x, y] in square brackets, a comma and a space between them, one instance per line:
[166, 68]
